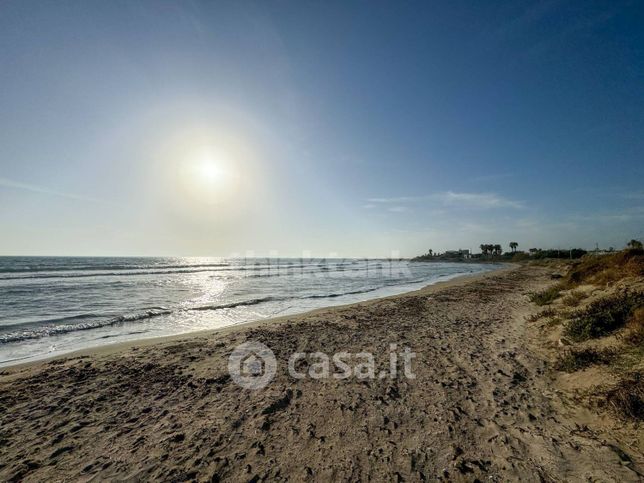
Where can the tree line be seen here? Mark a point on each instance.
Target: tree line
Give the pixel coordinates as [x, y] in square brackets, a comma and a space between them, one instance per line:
[494, 250]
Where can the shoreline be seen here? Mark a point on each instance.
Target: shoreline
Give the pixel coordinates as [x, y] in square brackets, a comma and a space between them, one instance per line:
[481, 405]
[113, 348]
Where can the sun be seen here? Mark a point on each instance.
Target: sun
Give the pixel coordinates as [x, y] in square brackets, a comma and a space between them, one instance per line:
[208, 175]
[210, 170]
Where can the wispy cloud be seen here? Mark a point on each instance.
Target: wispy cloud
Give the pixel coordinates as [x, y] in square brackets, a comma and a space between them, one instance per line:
[398, 199]
[622, 216]
[9, 183]
[398, 209]
[478, 200]
[455, 199]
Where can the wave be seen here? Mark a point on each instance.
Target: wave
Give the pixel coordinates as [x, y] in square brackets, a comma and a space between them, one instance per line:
[107, 274]
[280, 269]
[51, 327]
[334, 295]
[58, 326]
[238, 304]
[366, 290]
[51, 322]
[80, 268]
[62, 328]
[112, 270]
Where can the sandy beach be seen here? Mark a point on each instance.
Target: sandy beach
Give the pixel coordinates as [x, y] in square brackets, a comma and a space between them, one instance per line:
[321, 241]
[482, 405]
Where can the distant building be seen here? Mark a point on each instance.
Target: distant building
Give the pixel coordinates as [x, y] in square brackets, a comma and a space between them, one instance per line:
[457, 253]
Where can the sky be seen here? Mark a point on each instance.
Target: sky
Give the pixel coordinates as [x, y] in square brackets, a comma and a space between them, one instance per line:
[296, 128]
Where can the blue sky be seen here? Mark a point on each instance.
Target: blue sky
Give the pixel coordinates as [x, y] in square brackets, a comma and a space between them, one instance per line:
[348, 128]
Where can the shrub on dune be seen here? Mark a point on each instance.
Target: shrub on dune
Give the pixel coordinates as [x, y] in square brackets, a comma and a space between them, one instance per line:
[626, 399]
[601, 270]
[575, 360]
[546, 296]
[603, 316]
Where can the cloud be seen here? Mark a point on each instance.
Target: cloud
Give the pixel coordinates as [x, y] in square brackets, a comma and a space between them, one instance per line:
[398, 209]
[451, 198]
[398, 199]
[622, 216]
[8, 183]
[478, 200]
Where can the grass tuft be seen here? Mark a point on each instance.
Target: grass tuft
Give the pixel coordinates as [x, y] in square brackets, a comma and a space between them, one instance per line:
[603, 316]
[541, 314]
[635, 329]
[604, 269]
[573, 298]
[575, 360]
[547, 296]
[627, 398]
[554, 321]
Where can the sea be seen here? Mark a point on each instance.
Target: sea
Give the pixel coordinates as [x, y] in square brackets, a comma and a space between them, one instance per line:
[55, 305]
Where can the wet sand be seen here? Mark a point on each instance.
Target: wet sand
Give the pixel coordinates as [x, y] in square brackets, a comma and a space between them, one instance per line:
[482, 405]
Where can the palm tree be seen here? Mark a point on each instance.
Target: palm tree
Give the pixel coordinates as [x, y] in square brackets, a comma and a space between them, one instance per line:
[483, 248]
[634, 244]
[513, 246]
[497, 249]
[430, 252]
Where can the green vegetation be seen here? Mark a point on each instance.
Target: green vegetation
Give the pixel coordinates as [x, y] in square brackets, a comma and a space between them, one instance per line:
[520, 257]
[636, 244]
[491, 249]
[600, 270]
[619, 312]
[544, 313]
[574, 298]
[547, 296]
[575, 360]
[494, 251]
[572, 254]
[603, 316]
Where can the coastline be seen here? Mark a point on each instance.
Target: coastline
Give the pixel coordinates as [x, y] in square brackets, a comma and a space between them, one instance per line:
[145, 342]
[482, 405]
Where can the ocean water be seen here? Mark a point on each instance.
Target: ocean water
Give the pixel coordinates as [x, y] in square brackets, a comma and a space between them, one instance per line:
[53, 305]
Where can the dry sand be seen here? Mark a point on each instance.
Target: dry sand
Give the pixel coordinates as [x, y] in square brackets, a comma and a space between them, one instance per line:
[482, 405]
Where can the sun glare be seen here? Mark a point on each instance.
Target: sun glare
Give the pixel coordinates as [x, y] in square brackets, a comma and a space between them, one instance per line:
[209, 170]
[208, 176]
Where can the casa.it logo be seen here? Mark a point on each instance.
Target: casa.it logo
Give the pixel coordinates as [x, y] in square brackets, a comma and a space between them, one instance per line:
[252, 365]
